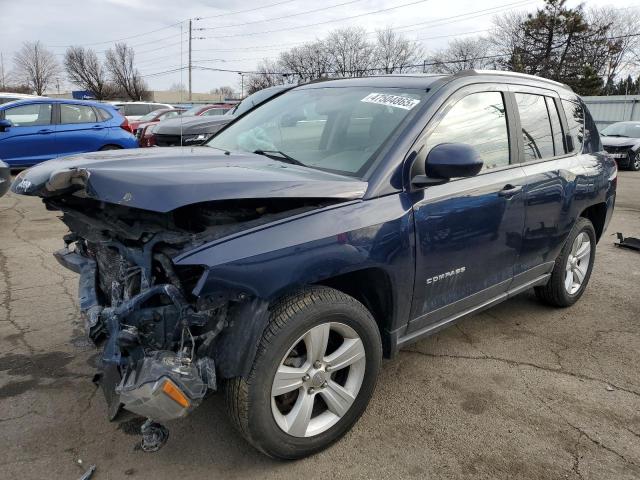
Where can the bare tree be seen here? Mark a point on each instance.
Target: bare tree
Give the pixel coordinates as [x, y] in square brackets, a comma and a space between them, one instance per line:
[506, 38]
[621, 53]
[177, 87]
[394, 53]
[461, 54]
[267, 76]
[120, 63]
[35, 66]
[310, 61]
[85, 70]
[224, 92]
[350, 53]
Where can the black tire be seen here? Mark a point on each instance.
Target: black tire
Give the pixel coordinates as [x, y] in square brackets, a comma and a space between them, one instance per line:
[554, 292]
[248, 399]
[634, 161]
[110, 147]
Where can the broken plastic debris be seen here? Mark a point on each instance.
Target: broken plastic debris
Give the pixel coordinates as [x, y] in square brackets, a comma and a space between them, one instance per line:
[89, 473]
[609, 388]
[154, 436]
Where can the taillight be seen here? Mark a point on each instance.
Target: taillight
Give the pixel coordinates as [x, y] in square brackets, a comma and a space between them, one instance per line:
[125, 125]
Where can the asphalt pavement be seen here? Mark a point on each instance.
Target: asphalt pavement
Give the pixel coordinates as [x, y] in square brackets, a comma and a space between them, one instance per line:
[521, 391]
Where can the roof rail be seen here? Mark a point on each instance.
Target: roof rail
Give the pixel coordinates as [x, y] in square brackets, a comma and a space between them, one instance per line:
[465, 73]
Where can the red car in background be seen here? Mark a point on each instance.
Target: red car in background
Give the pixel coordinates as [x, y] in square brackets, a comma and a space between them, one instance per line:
[155, 117]
[144, 131]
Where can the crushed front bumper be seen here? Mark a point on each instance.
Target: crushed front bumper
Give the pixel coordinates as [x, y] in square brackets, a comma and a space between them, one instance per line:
[160, 385]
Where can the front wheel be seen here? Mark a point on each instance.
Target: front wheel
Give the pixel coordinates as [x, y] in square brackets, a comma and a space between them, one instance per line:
[314, 373]
[634, 161]
[573, 266]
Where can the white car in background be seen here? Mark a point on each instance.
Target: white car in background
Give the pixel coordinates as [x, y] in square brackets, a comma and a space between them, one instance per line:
[6, 97]
[135, 110]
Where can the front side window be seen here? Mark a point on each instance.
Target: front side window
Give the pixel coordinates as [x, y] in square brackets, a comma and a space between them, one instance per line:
[76, 114]
[536, 127]
[339, 129]
[479, 120]
[575, 121]
[29, 115]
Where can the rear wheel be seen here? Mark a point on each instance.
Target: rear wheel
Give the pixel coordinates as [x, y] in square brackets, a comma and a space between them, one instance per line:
[573, 266]
[110, 147]
[313, 375]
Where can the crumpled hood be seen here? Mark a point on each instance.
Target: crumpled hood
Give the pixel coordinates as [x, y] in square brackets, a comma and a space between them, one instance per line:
[619, 141]
[163, 179]
[191, 125]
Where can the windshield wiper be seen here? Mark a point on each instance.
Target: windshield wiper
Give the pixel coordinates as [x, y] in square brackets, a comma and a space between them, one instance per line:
[616, 135]
[278, 155]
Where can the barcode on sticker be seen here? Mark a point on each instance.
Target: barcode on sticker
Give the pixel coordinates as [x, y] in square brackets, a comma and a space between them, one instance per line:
[397, 101]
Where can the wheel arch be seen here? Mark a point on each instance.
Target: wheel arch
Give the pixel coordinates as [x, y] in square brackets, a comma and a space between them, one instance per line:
[597, 215]
[373, 288]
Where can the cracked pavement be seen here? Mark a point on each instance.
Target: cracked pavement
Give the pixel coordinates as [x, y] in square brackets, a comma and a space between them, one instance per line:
[519, 391]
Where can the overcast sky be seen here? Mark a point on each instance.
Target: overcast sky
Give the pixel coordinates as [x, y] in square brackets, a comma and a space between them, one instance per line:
[236, 38]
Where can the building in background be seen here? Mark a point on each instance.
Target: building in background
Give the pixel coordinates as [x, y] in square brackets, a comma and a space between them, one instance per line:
[613, 108]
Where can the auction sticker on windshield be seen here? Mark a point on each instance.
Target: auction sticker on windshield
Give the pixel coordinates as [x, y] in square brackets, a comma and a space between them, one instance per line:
[397, 101]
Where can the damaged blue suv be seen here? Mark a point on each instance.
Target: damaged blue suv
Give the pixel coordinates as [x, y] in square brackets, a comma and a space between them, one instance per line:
[320, 232]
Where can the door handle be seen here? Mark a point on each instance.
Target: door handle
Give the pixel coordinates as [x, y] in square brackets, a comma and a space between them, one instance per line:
[509, 190]
[45, 131]
[97, 127]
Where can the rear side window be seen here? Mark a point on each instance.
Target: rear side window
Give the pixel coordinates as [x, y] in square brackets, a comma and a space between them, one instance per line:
[479, 120]
[76, 114]
[135, 109]
[575, 121]
[103, 114]
[29, 115]
[556, 127]
[536, 127]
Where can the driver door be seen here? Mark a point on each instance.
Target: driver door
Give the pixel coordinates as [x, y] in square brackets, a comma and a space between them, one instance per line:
[468, 230]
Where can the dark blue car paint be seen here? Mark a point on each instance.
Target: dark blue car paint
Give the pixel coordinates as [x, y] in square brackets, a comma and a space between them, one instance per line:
[162, 180]
[23, 146]
[503, 227]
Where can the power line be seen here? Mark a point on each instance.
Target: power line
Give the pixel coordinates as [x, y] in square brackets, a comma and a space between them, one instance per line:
[297, 27]
[118, 39]
[245, 11]
[306, 12]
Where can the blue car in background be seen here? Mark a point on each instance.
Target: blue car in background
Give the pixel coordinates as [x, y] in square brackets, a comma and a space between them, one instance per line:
[32, 131]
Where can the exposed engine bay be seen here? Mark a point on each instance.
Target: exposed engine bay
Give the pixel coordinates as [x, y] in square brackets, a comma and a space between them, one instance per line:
[157, 334]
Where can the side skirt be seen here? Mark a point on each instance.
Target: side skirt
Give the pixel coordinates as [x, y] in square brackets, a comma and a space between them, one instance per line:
[407, 339]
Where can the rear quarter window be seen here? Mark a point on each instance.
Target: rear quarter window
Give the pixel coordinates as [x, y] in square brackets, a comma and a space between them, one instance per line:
[575, 121]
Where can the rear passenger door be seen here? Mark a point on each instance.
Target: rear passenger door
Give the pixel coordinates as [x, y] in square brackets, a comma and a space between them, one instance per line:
[468, 230]
[79, 129]
[551, 168]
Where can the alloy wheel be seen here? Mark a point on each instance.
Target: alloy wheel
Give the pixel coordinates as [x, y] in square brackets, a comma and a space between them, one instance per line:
[577, 263]
[318, 380]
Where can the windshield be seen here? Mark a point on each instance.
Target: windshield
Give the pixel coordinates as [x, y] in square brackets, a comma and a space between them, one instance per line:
[622, 130]
[192, 111]
[150, 116]
[335, 129]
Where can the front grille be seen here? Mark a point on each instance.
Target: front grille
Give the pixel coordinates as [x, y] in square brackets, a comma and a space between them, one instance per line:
[622, 149]
[167, 140]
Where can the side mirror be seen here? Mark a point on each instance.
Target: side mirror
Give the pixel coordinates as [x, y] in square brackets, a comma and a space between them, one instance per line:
[5, 125]
[450, 160]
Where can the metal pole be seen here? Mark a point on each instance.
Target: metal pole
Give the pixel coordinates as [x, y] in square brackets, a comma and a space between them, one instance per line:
[190, 59]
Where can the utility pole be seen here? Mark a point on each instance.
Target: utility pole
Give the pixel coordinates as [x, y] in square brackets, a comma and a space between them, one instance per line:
[1, 71]
[190, 37]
